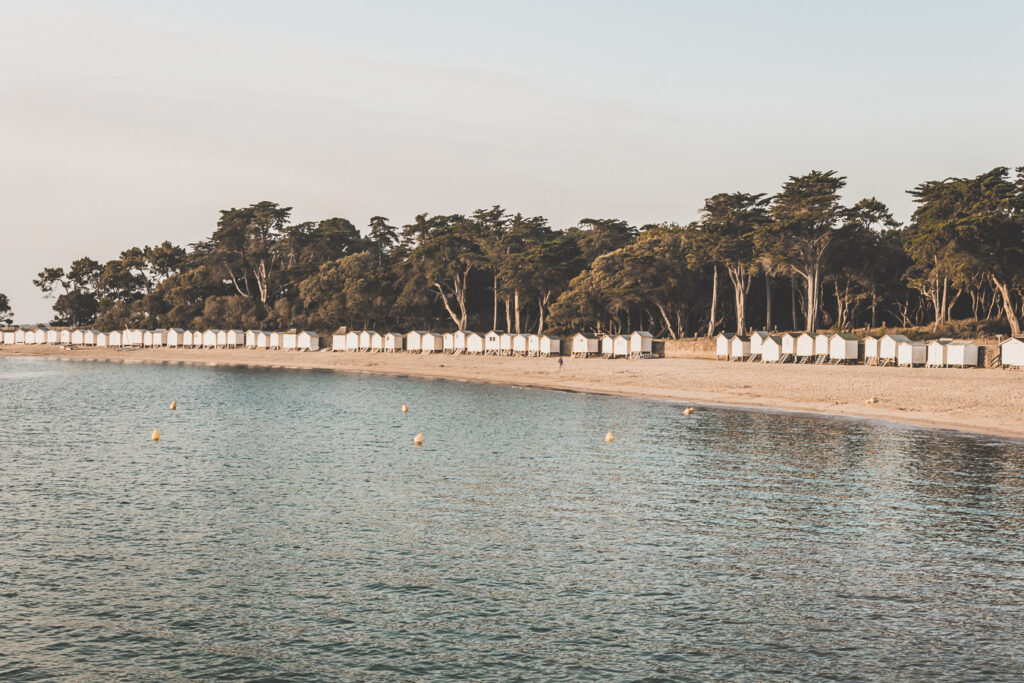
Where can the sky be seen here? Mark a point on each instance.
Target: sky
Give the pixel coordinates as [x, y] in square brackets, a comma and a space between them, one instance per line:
[127, 123]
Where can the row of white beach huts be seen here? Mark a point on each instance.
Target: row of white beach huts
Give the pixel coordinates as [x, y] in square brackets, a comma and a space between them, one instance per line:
[496, 342]
[845, 348]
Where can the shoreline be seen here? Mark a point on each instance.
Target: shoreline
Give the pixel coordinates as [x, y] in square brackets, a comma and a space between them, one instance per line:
[976, 401]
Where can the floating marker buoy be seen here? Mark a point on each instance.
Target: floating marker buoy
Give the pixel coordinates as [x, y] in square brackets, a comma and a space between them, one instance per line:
[609, 437]
[418, 439]
[688, 411]
[174, 405]
[405, 408]
[156, 435]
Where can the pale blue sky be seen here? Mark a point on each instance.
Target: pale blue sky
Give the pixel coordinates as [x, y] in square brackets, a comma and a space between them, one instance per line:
[127, 123]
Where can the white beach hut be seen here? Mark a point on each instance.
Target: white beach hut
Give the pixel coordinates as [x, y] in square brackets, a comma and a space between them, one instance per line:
[262, 340]
[821, 344]
[233, 339]
[520, 344]
[607, 346]
[188, 339]
[533, 345]
[7, 337]
[28, 337]
[366, 340]
[115, 338]
[197, 338]
[338, 339]
[290, 339]
[620, 346]
[431, 342]
[413, 341]
[77, 337]
[723, 345]
[147, 338]
[102, 339]
[134, 337]
[53, 336]
[250, 338]
[474, 343]
[19, 336]
[459, 341]
[962, 354]
[1011, 352]
[788, 345]
[209, 339]
[641, 344]
[376, 342]
[756, 339]
[870, 350]
[448, 342]
[739, 348]
[492, 343]
[550, 345]
[41, 335]
[771, 349]
[222, 338]
[911, 353]
[175, 337]
[505, 344]
[584, 345]
[276, 340]
[843, 348]
[307, 341]
[937, 353]
[90, 337]
[394, 341]
[156, 338]
[887, 347]
[352, 341]
[804, 348]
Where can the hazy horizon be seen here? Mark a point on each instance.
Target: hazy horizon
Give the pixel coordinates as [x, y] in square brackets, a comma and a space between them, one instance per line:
[127, 125]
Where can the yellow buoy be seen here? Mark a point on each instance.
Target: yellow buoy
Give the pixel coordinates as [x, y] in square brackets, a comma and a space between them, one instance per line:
[609, 437]
[418, 439]
[156, 435]
[688, 411]
[174, 405]
[405, 408]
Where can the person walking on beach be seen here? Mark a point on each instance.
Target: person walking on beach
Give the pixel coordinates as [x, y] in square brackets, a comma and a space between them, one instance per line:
[560, 363]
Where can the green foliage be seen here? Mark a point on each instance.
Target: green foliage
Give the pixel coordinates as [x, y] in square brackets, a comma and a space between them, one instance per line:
[6, 314]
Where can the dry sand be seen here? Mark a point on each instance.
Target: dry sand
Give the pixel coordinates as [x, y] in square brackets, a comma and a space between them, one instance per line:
[986, 401]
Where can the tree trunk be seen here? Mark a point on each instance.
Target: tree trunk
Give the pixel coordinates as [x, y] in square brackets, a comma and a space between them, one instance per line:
[768, 301]
[714, 302]
[494, 325]
[1011, 315]
[740, 283]
[508, 315]
[792, 301]
[813, 279]
[516, 307]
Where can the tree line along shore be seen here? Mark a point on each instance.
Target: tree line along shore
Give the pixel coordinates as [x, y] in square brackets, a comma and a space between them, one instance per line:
[802, 258]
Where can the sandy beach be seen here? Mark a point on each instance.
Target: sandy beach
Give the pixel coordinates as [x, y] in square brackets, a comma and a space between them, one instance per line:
[987, 401]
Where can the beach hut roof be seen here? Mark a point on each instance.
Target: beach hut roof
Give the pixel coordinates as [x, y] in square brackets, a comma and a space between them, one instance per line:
[760, 333]
[585, 335]
[291, 330]
[773, 337]
[342, 330]
[845, 335]
[496, 332]
[961, 342]
[727, 335]
[896, 337]
[644, 333]
[1019, 340]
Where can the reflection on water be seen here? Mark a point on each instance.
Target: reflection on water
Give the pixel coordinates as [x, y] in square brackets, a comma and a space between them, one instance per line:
[285, 526]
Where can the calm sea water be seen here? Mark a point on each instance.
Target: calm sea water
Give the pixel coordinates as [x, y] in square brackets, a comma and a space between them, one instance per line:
[285, 527]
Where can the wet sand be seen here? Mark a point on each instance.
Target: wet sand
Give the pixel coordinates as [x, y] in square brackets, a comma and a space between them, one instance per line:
[987, 401]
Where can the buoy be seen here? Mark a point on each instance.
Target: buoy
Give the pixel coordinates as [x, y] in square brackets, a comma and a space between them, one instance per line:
[688, 411]
[405, 408]
[609, 437]
[174, 405]
[871, 400]
[418, 439]
[156, 435]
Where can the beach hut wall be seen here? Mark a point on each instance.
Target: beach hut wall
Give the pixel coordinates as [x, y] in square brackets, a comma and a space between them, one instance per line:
[250, 338]
[175, 337]
[962, 354]
[1011, 352]
[41, 335]
[505, 344]
[771, 349]
[275, 341]
[804, 346]
[147, 338]
[290, 339]
[376, 342]
[937, 353]
[159, 337]
[262, 340]
[723, 345]
[208, 339]
[431, 342]
[788, 344]
[843, 348]
[492, 343]
[366, 340]
[821, 344]
[607, 346]
[887, 346]
[78, 337]
[394, 341]
[89, 337]
[911, 353]
[134, 337]
[308, 341]
[756, 339]
[739, 348]
[352, 341]
[8, 337]
[533, 344]
[641, 344]
[222, 338]
[115, 338]
[474, 343]
[413, 341]
[620, 346]
[54, 336]
[234, 338]
[870, 348]
[102, 339]
[520, 344]
[448, 342]
[459, 341]
[550, 346]
[30, 337]
[584, 345]
[338, 339]
[19, 336]
[189, 338]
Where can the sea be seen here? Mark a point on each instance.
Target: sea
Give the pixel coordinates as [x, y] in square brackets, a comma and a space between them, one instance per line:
[285, 527]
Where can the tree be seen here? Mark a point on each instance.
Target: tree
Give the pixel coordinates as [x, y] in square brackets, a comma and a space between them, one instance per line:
[726, 232]
[76, 301]
[6, 314]
[446, 252]
[244, 247]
